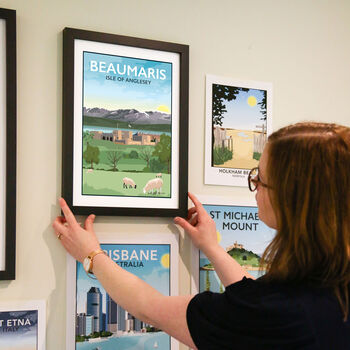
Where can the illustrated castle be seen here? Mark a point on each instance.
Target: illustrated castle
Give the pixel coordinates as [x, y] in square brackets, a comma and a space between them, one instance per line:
[126, 137]
[234, 245]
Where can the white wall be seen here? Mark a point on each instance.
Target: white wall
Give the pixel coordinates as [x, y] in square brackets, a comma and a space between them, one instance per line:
[301, 46]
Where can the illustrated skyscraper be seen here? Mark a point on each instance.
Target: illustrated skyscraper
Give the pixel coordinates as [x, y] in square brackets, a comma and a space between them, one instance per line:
[94, 308]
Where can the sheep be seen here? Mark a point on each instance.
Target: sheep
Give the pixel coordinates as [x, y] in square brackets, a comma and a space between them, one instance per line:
[153, 184]
[89, 171]
[159, 175]
[127, 181]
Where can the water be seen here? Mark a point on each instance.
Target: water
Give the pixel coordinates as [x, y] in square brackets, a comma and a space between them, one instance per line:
[214, 279]
[145, 341]
[110, 130]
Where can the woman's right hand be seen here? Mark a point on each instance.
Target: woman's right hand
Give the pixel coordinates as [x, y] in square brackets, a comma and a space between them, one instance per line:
[78, 242]
[199, 226]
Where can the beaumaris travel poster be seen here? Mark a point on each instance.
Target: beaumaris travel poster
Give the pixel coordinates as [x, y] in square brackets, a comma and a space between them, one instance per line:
[127, 126]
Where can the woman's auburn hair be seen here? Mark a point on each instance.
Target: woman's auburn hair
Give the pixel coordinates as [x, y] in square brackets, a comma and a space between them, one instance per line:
[308, 170]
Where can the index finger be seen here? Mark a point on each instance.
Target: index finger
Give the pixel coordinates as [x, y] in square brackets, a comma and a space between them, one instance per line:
[67, 212]
[196, 202]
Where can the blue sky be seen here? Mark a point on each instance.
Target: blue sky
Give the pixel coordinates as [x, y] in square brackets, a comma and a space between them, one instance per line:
[241, 115]
[254, 240]
[102, 93]
[153, 272]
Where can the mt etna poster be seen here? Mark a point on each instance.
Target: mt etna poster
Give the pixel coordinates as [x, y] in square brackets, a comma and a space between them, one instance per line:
[22, 325]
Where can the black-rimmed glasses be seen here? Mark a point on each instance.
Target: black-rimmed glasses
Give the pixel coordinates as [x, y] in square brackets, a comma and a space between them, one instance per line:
[254, 180]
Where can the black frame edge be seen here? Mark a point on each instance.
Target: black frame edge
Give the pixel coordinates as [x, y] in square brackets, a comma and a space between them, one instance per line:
[69, 35]
[11, 144]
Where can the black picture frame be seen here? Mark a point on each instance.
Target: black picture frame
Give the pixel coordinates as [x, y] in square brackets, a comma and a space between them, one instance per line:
[8, 117]
[79, 46]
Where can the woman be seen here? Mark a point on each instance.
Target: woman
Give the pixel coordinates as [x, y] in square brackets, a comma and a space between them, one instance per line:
[302, 302]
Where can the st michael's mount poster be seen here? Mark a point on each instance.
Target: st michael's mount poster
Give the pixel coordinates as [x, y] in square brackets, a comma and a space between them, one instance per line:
[127, 126]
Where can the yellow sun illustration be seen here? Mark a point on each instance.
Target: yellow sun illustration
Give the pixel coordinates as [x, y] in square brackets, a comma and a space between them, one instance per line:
[218, 236]
[251, 101]
[165, 260]
[163, 108]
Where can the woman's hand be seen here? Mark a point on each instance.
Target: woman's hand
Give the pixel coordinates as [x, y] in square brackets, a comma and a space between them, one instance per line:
[77, 241]
[199, 226]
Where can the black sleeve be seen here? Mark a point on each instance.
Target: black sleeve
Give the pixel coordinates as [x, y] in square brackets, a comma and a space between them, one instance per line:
[215, 319]
[248, 315]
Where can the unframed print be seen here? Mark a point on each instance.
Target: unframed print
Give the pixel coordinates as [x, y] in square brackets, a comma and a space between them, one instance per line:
[238, 121]
[22, 325]
[103, 324]
[240, 233]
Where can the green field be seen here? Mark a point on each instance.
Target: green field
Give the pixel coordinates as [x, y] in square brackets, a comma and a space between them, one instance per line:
[109, 183]
[103, 177]
[125, 163]
[242, 256]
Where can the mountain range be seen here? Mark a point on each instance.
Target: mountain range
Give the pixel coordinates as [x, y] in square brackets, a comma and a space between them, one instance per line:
[129, 115]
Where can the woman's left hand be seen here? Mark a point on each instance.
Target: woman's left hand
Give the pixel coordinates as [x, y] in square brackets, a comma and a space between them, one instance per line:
[78, 242]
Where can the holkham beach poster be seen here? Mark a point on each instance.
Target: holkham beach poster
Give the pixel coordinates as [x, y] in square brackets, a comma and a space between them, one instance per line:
[237, 125]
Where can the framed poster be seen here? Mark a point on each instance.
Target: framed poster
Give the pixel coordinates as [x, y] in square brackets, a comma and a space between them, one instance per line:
[23, 325]
[125, 125]
[240, 232]
[95, 321]
[7, 144]
[238, 121]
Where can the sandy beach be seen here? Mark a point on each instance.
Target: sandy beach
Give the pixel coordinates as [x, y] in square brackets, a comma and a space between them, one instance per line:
[243, 143]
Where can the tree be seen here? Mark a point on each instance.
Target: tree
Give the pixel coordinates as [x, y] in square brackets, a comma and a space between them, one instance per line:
[162, 150]
[91, 155]
[114, 157]
[207, 281]
[133, 154]
[87, 136]
[146, 154]
[262, 105]
[222, 93]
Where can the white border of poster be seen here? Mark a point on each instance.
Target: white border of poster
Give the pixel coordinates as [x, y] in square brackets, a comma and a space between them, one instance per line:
[109, 238]
[215, 175]
[30, 305]
[134, 52]
[219, 201]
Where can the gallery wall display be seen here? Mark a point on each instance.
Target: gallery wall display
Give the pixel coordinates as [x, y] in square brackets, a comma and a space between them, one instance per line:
[238, 122]
[125, 125]
[23, 325]
[95, 321]
[7, 144]
[240, 232]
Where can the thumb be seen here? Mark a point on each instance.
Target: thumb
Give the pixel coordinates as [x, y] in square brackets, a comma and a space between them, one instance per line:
[89, 222]
[185, 225]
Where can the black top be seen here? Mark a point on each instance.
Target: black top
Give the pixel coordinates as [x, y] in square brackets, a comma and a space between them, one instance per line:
[252, 314]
